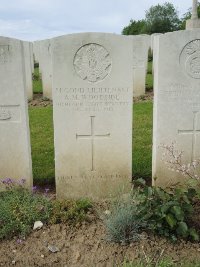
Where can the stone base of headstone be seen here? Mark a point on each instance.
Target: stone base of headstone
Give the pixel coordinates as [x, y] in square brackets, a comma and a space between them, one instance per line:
[192, 24]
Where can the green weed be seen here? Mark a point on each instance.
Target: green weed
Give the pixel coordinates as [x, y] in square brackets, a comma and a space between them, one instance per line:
[166, 212]
[70, 211]
[19, 209]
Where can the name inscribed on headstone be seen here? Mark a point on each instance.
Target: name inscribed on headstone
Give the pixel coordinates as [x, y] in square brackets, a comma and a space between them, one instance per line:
[92, 99]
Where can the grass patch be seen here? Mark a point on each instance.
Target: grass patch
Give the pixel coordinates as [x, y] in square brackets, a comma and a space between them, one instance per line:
[149, 77]
[149, 67]
[149, 82]
[37, 82]
[20, 209]
[41, 127]
[70, 211]
[142, 139]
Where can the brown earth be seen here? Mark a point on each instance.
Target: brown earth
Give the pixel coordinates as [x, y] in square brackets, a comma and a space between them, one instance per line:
[85, 245]
[144, 98]
[39, 101]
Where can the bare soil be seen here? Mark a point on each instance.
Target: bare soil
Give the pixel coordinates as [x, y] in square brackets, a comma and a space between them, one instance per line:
[144, 98]
[85, 245]
[40, 101]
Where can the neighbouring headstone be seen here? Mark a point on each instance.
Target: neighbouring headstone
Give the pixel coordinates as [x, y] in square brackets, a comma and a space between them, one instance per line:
[154, 49]
[15, 146]
[92, 102]
[152, 40]
[36, 51]
[194, 22]
[28, 70]
[176, 101]
[46, 67]
[141, 46]
[32, 57]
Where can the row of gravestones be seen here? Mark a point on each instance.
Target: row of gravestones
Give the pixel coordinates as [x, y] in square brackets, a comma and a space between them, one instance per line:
[41, 50]
[92, 110]
[141, 46]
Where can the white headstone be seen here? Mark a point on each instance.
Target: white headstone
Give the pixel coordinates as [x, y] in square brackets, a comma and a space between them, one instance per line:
[176, 101]
[32, 57]
[15, 148]
[141, 45]
[36, 50]
[153, 47]
[46, 67]
[28, 70]
[152, 40]
[92, 98]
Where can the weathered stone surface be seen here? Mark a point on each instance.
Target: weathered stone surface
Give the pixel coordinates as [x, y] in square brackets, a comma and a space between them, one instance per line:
[36, 51]
[42, 52]
[141, 46]
[15, 148]
[153, 48]
[46, 67]
[192, 24]
[152, 40]
[32, 57]
[92, 98]
[177, 100]
[28, 70]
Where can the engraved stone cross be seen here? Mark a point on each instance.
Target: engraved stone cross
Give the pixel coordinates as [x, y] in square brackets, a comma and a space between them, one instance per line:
[92, 136]
[194, 133]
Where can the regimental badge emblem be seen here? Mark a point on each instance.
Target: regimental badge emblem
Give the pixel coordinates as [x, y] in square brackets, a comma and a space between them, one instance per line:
[190, 59]
[92, 62]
